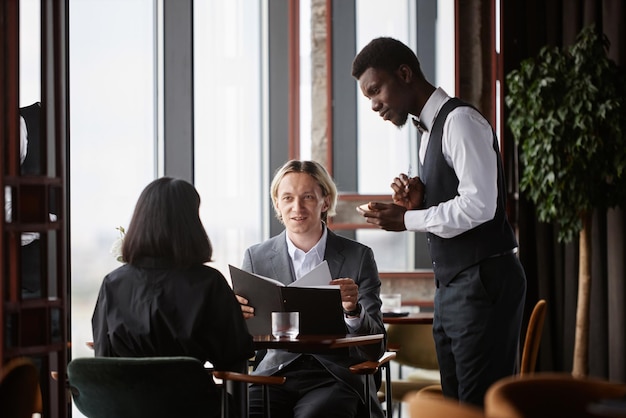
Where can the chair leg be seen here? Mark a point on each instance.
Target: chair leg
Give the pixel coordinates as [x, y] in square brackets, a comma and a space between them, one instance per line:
[224, 401]
[388, 400]
[367, 395]
[266, 401]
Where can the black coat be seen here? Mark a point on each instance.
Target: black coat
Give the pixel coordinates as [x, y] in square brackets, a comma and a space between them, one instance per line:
[153, 309]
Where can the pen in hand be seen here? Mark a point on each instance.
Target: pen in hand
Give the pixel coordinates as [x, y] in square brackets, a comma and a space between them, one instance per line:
[408, 175]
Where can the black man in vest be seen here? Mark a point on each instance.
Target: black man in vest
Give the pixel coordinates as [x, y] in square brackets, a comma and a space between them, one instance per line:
[458, 200]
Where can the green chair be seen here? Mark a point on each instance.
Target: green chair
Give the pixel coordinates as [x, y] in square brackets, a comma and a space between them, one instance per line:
[155, 387]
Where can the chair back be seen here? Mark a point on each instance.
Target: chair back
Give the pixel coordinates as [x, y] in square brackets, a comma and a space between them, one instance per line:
[542, 395]
[415, 345]
[20, 394]
[533, 338]
[529, 352]
[107, 387]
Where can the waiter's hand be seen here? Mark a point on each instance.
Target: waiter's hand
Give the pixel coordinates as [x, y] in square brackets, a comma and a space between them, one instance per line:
[408, 192]
[349, 292]
[387, 216]
[247, 310]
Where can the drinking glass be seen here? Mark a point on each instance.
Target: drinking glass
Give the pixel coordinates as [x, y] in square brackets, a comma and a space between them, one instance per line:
[392, 302]
[285, 324]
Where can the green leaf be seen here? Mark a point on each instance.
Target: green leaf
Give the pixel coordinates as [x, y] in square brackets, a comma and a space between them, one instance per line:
[567, 115]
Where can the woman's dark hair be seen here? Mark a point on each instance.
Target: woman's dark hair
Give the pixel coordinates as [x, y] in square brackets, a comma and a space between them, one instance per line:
[385, 54]
[166, 224]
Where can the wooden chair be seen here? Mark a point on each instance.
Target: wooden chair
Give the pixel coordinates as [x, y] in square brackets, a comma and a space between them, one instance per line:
[421, 406]
[371, 367]
[534, 329]
[124, 387]
[532, 341]
[542, 395]
[20, 394]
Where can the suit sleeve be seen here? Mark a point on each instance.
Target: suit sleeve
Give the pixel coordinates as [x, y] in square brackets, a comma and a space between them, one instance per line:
[246, 265]
[369, 298]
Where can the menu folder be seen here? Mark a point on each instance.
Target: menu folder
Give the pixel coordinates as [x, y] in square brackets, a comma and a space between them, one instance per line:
[320, 308]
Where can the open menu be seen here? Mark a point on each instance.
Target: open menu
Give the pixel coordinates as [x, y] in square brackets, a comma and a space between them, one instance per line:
[318, 302]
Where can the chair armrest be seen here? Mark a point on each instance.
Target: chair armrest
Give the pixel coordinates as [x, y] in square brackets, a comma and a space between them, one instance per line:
[393, 347]
[248, 378]
[370, 367]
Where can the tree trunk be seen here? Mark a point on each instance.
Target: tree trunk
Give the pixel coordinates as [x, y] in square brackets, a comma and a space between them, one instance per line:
[581, 340]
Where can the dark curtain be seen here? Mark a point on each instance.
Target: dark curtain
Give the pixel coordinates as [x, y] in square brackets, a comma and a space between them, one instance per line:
[551, 267]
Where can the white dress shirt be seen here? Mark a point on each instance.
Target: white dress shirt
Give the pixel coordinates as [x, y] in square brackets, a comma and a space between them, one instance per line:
[467, 146]
[305, 262]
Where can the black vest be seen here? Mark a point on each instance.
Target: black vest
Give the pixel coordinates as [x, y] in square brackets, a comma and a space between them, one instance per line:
[450, 256]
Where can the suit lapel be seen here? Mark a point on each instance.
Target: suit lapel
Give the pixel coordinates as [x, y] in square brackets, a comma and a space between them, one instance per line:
[281, 263]
[333, 255]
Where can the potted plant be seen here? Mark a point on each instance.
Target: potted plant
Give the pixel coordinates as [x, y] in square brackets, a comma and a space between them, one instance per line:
[568, 115]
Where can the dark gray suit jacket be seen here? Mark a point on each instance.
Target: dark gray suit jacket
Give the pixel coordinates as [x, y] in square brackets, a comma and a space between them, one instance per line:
[346, 258]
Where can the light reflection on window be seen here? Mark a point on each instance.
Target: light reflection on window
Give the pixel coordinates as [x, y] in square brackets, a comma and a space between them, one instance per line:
[112, 139]
[228, 130]
[30, 52]
[381, 144]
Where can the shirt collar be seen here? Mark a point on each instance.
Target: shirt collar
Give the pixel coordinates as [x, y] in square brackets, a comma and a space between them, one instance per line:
[431, 108]
[319, 249]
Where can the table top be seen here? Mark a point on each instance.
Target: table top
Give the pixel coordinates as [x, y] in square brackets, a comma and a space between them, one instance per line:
[411, 318]
[310, 343]
[307, 343]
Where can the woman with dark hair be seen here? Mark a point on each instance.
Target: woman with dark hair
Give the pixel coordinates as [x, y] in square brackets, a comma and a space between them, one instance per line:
[164, 301]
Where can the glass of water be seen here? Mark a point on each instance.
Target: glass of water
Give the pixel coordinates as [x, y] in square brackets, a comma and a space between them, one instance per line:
[285, 324]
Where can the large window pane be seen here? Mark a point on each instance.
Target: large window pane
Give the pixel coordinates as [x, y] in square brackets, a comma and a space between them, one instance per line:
[112, 133]
[382, 144]
[228, 130]
[30, 52]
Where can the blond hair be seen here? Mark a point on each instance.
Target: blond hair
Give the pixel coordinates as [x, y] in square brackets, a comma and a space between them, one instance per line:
[313, 169]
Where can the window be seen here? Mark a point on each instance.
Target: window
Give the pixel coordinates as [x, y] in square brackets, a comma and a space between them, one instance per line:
[366, 153]
[384, 150]
[229, 139]
[112, 142]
